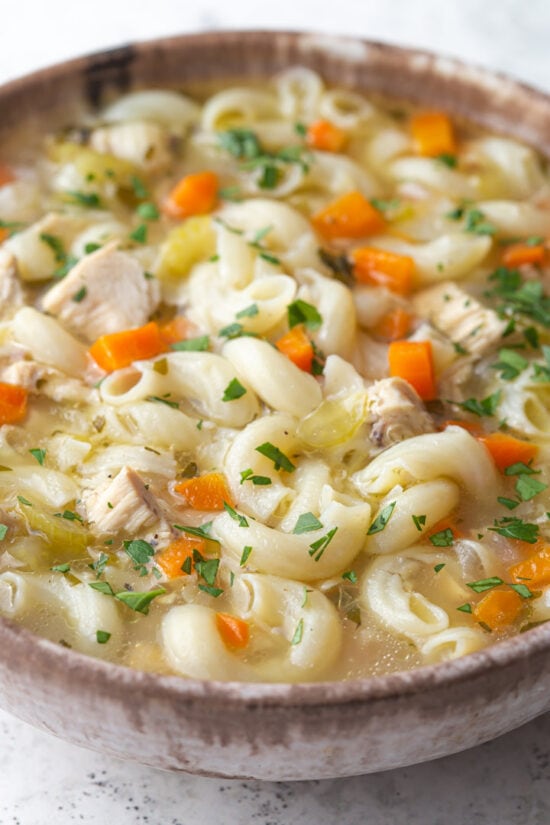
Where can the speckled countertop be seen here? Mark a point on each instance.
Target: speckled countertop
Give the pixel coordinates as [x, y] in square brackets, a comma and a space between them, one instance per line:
[505, 782]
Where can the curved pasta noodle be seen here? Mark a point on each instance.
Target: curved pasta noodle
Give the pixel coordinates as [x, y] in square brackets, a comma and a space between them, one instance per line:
[452, 454]
[516, 218]
[292, 556]
[170, 109]
[48, 342]
[299, 90]
[346, 109]
[237, 105]
[335, 304]
[277, 381]
[432, 175]
[453, 643]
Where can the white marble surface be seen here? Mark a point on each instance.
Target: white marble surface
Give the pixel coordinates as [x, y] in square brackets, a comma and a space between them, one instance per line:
[506, 782]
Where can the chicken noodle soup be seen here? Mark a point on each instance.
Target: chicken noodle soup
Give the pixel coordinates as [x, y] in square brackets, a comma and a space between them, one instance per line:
[274, 385]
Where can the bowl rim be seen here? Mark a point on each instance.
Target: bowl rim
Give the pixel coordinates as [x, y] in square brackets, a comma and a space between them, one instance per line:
[20, 644]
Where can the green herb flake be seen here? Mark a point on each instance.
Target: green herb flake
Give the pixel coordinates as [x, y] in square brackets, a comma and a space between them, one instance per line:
[158, 400]
[139, 235]
[202, 532]
[61, 568]
[447, 160]
[485, 407]
[206, 568]
[233, 391]
[476, 223]
[509, 503]
[350, 576]
[269, 177]
[515, 528]
[91, 247]
[279, 459]
[317, 548]
[79, 295]
[148, 211]
[199, 344]
[381, 519]
[519, 468]
[260, 481]
[248, 312]
[230, 193]
[231, 331]
[245, 555]
[102, 587]
[298, 633]
[306, 523]
[140, 551]
[439, 567]
[139, 602]
[522, 590]
[140, 190]
[419, 522]
[3, 531]
[271, 259]
[88, 199]
[161, 366]
[102, 636]
[212, 591]
[510, 364]
[56, 245]
[300, 312]
[444, 538]
[528, 487]
[25, 501]
[465, 608]
[70, 515]
[459, 349]
[482, 585]
[39, 455]
[100, 563]
[241, 520]
[243, 144]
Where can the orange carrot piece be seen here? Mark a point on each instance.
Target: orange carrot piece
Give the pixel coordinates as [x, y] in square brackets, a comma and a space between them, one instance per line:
[413, 361]
[523, 253]
[506, 450]
[178, 329]
[325, 136]
[195, 194]
[6, 174]
[433, 134]
[379, 267]
[297, 346]
[235, 632]
[172, 558]
[119, 349]
[394, 325]
[208, 492]
[350, 216]
[498, 608]
[472, 426]
[13, 403]
[533, 571]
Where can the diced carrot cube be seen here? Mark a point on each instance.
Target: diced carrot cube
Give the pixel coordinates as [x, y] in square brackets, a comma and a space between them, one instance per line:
[13, 403]
[120, 349]
[207, 492]
[349, 216]
[413, 361]
[379, 267]
[506, 450]
[297, 347]
[195, 194]
[498, 608]
[172, 558]
[325, 136]
[235, 632]
[433, 134]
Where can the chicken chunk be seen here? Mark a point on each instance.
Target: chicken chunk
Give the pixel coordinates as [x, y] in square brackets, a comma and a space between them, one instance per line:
[396, 412]
[105, 292]
[124, 503]
[11, 295]
[146, 145]
[462, 318]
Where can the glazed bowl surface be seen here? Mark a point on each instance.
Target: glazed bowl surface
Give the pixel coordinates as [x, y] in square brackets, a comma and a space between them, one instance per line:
[276, 732]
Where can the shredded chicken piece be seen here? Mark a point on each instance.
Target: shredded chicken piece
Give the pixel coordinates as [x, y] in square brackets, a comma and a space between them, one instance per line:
[145, 144]
[396, 412]
[105, 292]
[462, 318]
[124, 503]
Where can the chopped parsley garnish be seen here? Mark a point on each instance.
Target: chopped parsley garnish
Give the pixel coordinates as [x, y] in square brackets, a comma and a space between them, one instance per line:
[248, 475]
[515, 528]
[482, 585]
[70, 515]
[298, 633]
[198, 344]
[465, 608]
[271, 259]
[88, 199]
[306, 523]
[248, 312]
[522, 590]
[510, 364]
[519, 468]
[100, 564]
[528, 487]
[148, 211]
[444, 538]
[102, 636]
[245, 555]
[531, 335]
[439, 567]
[230, 193]
[519, 297]
[269, 177]
[3, 531]
[91, 247]
[350, 576]
[317, 548]
[138, 601]
[385, 205]
[140, 552]
[486, 406]
[459, 349]
[25, 501]
[65, 260]
[509, 503]
[275, 455]
[102, 587]
[477, 224]
[381, 519]
[61, 568]
[300, 129]
[140, 190]
[202, 532]
[79, 295]
[158, 400]
[241, 143]
[206, 568]
[211, 590]
[541, 372]
[241, 520]
[233, 391]
[40, 455]
[139, 235]
[419, 522]
[300, 312]
[231, 331]
[447, 160]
